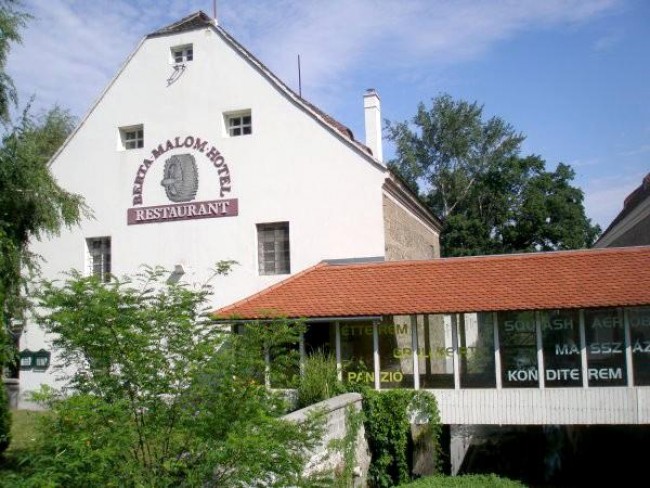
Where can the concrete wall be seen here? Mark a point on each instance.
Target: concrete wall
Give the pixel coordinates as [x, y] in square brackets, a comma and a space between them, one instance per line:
[407, 237]
[323, 458]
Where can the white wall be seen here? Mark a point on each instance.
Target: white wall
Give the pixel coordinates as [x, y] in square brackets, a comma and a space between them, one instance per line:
[290, 169]
[544, 406]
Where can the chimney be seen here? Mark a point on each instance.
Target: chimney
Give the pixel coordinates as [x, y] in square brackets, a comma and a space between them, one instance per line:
[372, 111]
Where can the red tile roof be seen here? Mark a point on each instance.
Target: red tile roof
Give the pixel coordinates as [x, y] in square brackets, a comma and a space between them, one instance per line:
[566, 279]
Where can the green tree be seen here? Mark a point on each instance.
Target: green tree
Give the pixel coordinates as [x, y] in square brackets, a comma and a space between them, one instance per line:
[158, 394]
[492, 200]
[12, 19]
[32, 205]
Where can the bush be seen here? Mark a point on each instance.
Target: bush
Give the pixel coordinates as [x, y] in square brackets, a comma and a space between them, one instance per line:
[5, 420]
[468, 481]
[162, 396]
[388, 429]
[319, 380]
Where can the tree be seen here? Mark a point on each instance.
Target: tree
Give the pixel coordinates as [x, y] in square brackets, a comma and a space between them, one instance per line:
[32, 204]
[159, 395]
[492, 200]
[11, 21]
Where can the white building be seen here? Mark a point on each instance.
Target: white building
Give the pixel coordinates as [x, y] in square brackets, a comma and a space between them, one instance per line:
[196, 152]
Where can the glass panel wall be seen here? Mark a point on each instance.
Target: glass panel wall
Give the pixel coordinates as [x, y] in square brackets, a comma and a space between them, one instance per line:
[467, 341]
[561, 346]
[396, 352]
[320, 337]
[357, 359]
[476, 350]
[639, 320]
[518, 347]
[605, 337]
[436, 350]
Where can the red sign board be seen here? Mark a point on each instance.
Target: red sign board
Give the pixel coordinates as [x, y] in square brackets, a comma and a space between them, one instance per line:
[183, 211]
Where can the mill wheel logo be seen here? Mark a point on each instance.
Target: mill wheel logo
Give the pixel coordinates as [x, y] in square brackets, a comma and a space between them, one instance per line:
[181, 178]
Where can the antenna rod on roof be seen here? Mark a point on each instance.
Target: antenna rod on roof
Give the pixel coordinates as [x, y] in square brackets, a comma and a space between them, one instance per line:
[214, 10]
[299, 79]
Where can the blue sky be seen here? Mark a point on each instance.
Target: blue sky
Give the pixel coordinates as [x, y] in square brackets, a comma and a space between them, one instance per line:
[572, 75]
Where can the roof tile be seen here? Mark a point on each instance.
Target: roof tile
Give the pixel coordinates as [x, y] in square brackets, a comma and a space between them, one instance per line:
[566, 279]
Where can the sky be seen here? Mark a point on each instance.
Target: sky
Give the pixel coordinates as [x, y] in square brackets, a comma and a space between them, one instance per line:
[571, 75]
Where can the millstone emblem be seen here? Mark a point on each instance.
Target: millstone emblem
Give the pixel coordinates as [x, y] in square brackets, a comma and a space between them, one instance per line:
[181, 178]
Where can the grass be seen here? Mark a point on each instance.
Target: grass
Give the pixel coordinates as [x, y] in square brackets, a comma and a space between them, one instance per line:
[466, 481]
[23, 433]
[23, 429]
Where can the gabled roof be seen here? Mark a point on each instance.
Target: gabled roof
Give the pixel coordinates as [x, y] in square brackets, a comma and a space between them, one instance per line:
[554, 280]
[329, 121]
[197, 20]
[632, 201]
[200, 20]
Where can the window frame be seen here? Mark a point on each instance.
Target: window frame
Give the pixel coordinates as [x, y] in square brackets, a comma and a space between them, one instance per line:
[104, 252]
[183, 53]
[235, 123]
[132, 137]
[281, 252]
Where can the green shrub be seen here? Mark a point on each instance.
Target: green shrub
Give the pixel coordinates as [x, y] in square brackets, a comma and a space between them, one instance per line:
[468, 481]
[388, 429]
[5, 420]
[319, 380]
[161, 395]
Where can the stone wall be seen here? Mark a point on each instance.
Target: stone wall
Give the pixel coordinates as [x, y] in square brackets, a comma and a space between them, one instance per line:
[324, 458]
[407, 237]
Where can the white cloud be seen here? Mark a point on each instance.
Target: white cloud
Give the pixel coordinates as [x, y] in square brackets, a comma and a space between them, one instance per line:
[607, 42]
[73, 47]
[604, 196]
[643, 149]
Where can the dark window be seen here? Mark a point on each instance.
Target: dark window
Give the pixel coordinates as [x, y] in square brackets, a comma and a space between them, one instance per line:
[640, 334]
[99, 257]
[357, 353]
[182, 54]
[561, 345]
[518, 347]
[240, 124]
[605, 337]
[132, 137]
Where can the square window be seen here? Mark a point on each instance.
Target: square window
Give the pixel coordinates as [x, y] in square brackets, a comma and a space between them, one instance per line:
[182, 54]
[273, 248]
[99, 257]
[239, 124]
[132, 137]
